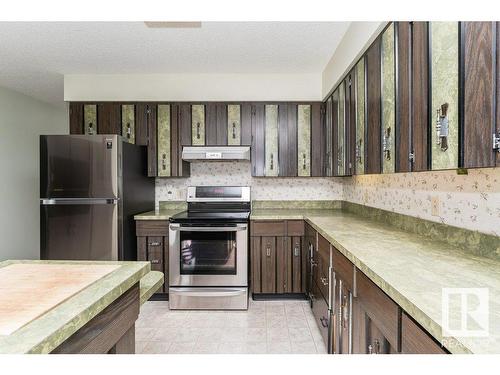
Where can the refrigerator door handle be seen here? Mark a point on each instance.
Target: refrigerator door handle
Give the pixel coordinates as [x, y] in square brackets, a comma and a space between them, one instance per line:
[76, 201]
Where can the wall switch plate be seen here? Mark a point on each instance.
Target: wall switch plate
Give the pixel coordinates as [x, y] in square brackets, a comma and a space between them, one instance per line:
[435, 206]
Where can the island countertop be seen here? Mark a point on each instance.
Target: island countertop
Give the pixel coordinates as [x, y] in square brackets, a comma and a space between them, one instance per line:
[411, 268]
[47, 331]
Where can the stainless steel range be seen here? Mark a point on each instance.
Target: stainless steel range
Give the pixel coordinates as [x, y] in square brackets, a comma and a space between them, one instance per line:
[208, 252]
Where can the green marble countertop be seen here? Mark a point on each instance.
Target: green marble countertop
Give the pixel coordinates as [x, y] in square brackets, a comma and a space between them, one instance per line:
[412, 269]
[48, 331]
[161, 214]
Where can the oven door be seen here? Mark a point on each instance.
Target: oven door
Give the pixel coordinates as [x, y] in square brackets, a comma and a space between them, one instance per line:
[208, 255]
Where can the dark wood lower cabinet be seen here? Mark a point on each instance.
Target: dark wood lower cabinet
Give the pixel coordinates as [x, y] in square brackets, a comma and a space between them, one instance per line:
[152, 246]
[277, 260]
[414, 340]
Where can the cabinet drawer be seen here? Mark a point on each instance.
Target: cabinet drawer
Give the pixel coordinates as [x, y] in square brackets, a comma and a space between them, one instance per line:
[323, 247]
[414, 340]
[321, 313]
[268, 228]
[379, 307]
[152, 227]
[295, 227]
[344, 268]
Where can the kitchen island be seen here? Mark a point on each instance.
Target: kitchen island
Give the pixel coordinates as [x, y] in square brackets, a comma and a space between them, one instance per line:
[72, 306]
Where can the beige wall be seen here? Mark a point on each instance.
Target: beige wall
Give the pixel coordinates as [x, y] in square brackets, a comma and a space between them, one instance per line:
[194, 87]
[22, 120]
[356, 40]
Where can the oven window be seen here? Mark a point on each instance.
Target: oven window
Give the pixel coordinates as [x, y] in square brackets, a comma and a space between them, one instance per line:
[208, 253]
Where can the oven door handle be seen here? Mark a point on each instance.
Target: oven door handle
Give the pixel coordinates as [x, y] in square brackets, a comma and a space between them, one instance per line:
[208, 229]
[207, 292]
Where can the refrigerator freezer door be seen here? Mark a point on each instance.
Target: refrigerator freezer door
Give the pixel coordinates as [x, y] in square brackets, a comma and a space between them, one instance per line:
[79, 231]
[79, 166]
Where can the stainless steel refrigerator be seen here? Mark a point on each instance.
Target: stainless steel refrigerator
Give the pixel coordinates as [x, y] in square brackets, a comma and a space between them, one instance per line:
[90, 189]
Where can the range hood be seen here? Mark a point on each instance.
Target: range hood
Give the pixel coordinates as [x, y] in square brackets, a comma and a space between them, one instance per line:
[215, 153]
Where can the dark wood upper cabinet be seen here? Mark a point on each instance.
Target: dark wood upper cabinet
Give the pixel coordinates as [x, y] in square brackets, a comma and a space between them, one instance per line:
[258, 138]
[141, 126]
[317, 140]
[185, 123]
[75, 118]
[373, 131]
[246, 124]
[109, 118]
[479, 94]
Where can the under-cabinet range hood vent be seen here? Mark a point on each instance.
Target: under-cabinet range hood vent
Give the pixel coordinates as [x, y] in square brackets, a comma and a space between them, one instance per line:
[215, 153]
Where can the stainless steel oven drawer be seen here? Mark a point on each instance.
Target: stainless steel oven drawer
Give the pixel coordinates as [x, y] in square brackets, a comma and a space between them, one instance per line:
[208, 298]
[322, 314]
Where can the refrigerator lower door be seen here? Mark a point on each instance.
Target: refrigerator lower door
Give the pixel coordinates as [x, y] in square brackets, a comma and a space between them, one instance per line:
[79, 230]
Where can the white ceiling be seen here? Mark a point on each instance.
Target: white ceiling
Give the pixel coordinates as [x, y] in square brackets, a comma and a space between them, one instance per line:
[34, 56]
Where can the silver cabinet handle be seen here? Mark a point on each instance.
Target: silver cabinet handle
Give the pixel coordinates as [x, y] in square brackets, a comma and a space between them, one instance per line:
[324, 322]
[155, 261]
[268, 251]
[370, 349]
[198, 130]
[304, 161]
[442, 126]
[296, 251]
[77, 201]
[129, 130]
[272, 162]
[386, 143]
[164, 161]
[154, 243]
[234, 130]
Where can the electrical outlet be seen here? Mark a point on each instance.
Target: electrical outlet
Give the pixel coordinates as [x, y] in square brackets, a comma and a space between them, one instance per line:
[435, 206]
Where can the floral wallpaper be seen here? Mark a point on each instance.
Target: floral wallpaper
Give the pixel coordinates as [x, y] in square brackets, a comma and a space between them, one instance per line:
[468, 201]
[239, 173]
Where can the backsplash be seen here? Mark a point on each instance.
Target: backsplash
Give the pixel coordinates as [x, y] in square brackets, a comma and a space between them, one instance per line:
[467, 201]
[239, 173]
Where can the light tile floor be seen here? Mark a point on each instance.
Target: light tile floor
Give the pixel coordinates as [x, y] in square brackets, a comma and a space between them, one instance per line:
[272, 327]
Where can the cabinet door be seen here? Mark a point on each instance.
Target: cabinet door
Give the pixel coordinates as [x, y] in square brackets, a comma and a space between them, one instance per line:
[360, 100]
[304, 140]
[128, 122]
[271, 140]
[258, 149]
[246, 124]
[268, 262]
[420, 96]
[152, 249]
[341, 131]
[109, 118]
[414, 340]
[350, 137]
[283, 265]
[198, 124]
[233, 124]
[297, 265]
[328, 132]
[75, 118]
[210, 127]
[479, 95]
[141, 128]
[388, 102]
[287, 140]
[256, 264]
[317, 144]
[373, 135]
[90, 119]
[444, 57]
[164, 139]
[185, 124]
[152, 134]
[344, 317]
[403, 115]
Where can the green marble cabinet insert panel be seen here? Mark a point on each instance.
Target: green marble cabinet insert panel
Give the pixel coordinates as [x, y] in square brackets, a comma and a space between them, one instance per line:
[271, 140]
[360, 117]
[90, 119]
[233, 124]
[128, 122]
[444, 56]
[198, 124]
[388, 102]
[341, 131]
[164, 137]
[304, 140]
